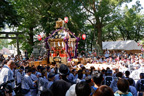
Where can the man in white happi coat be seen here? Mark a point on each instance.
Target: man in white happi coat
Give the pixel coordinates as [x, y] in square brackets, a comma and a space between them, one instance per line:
[6, 75]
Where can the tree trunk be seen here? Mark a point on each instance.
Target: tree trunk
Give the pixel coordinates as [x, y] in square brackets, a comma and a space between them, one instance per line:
[99, 35]
[122, 32]
[91, 46]
[128, 35]
[87, 46]
[99, 31]
[31, 37]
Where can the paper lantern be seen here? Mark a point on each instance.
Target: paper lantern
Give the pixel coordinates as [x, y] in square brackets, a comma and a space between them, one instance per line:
[39, 37]
[66, 19]
[83, 36]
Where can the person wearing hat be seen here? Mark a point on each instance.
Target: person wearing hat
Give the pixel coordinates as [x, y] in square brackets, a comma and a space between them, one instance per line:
[108, 79]
[64, 72]
[51, 78]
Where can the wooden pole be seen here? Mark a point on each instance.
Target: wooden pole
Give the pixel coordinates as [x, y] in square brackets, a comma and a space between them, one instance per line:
[18, 52]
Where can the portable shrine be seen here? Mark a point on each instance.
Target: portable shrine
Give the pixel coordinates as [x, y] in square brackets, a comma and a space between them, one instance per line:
[62, 44]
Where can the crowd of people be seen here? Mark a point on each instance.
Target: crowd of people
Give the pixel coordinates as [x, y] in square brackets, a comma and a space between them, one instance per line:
[125, 77]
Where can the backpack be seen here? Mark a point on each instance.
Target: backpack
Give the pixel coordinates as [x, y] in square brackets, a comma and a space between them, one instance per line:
[142, 85]
[108, 80]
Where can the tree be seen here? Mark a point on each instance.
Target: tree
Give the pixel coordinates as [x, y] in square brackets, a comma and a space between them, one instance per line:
[110, 32]
[3, 43]
[40, 16]
[7, 14]
[101, 13]
[131, 23]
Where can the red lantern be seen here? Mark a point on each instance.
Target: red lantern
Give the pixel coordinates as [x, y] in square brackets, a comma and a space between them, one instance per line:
[83, 36]
[66, 19]
[39, 37]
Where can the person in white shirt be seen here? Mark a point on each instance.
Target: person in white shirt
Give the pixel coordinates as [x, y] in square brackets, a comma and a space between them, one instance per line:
[6, 75]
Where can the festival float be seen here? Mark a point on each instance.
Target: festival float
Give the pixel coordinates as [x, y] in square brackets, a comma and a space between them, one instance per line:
[62, 44]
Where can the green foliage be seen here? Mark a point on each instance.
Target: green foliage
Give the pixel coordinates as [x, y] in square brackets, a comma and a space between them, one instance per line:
[131, 23]
[40, 16]
[7, 14]
[100, 20]
[100, 13]
[3, 43]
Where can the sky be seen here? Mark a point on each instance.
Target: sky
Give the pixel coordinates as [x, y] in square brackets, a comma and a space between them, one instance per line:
[133, 2]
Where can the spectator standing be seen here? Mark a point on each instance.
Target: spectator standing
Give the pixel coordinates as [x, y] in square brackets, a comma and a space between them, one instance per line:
[82, 89]
[132, 89]
[123, 86]
[104, 91]
[113, 85]
[60, 87]
[51, 79]
[6, 75]
[108, 79]
[27, 83]
[140, 85]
